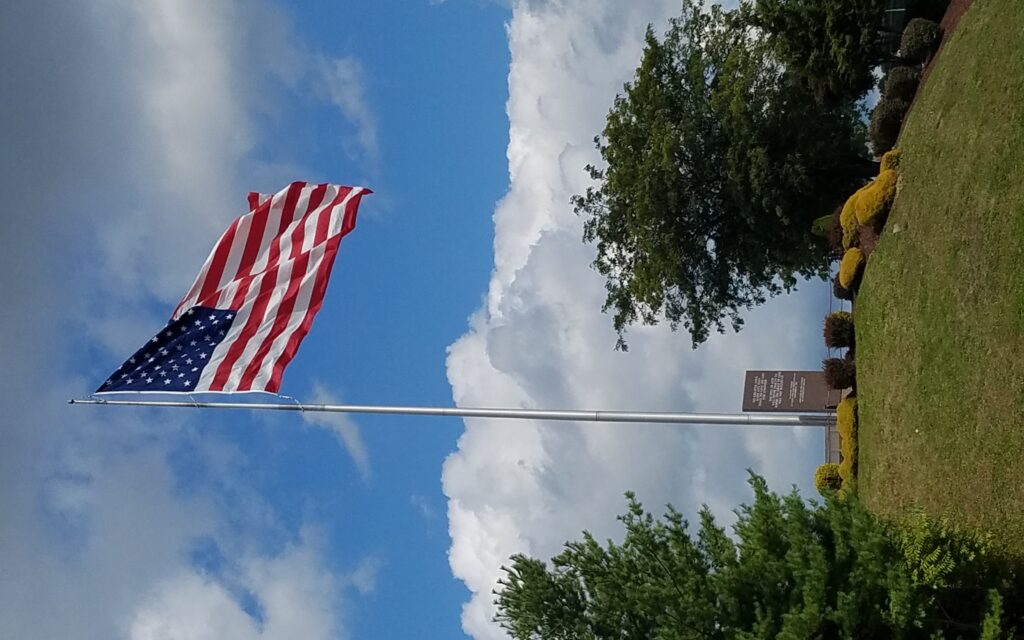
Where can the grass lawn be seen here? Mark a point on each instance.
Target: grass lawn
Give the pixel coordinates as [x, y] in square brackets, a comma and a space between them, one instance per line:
[940, 316]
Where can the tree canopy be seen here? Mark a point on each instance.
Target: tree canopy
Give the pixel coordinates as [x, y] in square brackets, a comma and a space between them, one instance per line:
[791, 570]
[715, 168]
[829, 46]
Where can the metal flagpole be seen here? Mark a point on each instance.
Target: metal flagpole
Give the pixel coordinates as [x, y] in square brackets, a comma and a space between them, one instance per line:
[735, 419]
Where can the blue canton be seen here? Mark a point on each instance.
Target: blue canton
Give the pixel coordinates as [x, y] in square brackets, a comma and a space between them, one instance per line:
[174, 359]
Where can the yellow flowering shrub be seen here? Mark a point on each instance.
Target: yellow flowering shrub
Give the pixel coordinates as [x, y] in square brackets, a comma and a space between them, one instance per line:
[875, 200]
[850, 267]
[846, 424]
[848, 221]
[827, 478]
[890, 160]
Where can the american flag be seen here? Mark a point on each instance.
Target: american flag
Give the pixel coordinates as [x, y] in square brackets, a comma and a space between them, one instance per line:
[253, 301]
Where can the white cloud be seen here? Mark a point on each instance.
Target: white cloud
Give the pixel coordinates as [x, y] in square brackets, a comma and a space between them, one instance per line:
[540, 339]
[344, 427]
[345, 86]
[292, 594]
[124, 149]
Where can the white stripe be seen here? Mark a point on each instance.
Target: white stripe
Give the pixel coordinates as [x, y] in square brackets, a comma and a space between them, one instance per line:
[193, 293]
[241, 317]
[286, 239]
[270, 233]
[338, 219]
[266, 324]
[302, 300]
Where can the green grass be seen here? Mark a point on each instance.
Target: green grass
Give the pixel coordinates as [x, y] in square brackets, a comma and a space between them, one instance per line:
[940, 316]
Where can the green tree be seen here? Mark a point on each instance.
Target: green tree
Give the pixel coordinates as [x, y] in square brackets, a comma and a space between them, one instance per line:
[716, 167]
[829, 46]
[791, 570]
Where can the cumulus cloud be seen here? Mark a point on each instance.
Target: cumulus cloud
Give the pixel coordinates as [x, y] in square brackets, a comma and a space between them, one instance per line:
[344, 83]
[540, 341]
[344, 427]
[128, 128]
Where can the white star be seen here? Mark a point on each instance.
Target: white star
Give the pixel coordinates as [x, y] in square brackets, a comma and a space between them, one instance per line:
[145, 355]
[151, 360]
[191, 311]
[168, 334]
[213, 317]
[178, 347]
[188, 361]
[183, 329]
[124, 375]
[188, 384]
[215, 321]
[131, 360]
[154, 339]
[167, 381]
[198, 322]
[229, 316]
[156, 368]
[206, 337]
[175, 367]
[202, 356]
[201, 327]
[163, 373]
[163, 352]
[221, 332]
[108, 383]
[129, 381]
[192, 344]
[181, 375]
[149, 380]
[194, 369]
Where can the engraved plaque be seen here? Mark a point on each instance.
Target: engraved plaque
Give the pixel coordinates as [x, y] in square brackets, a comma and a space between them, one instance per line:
[788, 392]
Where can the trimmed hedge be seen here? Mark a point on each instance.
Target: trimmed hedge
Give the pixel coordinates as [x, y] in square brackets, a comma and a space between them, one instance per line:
[890, 160]
[920, 40]
[846, 424]
[840, 291]
[901, 83]
[840, 373]
[851, 267]
[838, 331]
[886, 120]
[827, 478]
[875, 200]
[848, 221]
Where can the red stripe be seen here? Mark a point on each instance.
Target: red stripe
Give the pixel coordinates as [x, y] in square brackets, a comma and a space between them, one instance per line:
[220, 257]
[280, 322]
[254, 200]
[252, 324]
[315, 302]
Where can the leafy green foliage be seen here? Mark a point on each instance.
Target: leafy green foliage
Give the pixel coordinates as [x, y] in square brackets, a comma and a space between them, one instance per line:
[901, 83]
[829, 46]
[920, 39]
[885, 123]
[716, 168]
[790, 570]
[838, 331]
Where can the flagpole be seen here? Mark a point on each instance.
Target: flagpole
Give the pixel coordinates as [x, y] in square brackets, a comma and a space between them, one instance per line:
[735, 419]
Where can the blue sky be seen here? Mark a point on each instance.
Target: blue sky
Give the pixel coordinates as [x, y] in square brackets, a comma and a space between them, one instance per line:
[134, 131]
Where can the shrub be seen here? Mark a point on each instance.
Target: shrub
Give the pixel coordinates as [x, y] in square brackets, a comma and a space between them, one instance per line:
[848, 221]
[851, 267]
[839, 329]
[840, 373]
[835, 233]
[901, 83]
[920, 40]
[890, 160]
[875, 200]
[827, 478]
[840, 291]
[846, 424]
[886, 120]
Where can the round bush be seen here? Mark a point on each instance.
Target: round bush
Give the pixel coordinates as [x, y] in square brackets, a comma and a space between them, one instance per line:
[920, 39]
[840, 291]
[838, 330]
[840, 373]
[901, 83]
[890, 160]
[876, 199]
[886, 120]
[851, 267]
[827, 478]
